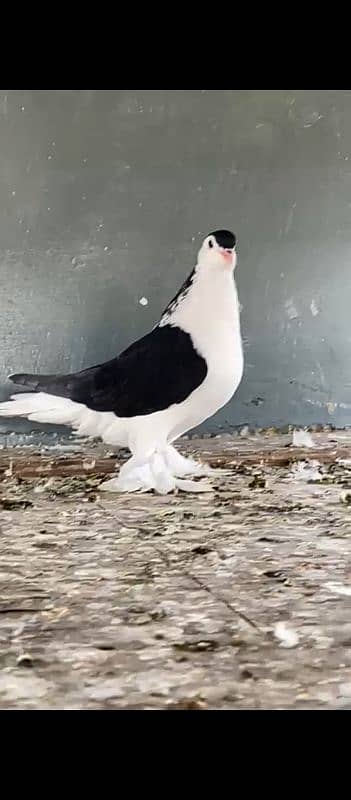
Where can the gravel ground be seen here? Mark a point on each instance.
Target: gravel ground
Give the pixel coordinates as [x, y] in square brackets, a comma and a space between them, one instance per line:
[238, 599]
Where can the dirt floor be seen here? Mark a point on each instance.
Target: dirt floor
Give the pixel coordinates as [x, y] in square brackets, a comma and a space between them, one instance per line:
[238, 599]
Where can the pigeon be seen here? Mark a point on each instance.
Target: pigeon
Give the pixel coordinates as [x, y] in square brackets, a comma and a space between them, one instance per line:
[163, 385]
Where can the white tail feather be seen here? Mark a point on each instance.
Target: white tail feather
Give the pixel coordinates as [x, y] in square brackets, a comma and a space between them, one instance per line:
[47, 408]
[41, 407]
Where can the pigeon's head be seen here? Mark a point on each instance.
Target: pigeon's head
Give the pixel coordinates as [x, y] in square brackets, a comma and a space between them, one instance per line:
[218, 251]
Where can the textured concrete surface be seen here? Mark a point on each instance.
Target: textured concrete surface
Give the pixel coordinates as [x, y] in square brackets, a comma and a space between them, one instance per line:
[105, 195]
[238, 599]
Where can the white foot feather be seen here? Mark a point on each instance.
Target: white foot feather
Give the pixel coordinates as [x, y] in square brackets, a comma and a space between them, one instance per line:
[156, 475]
[181, 466]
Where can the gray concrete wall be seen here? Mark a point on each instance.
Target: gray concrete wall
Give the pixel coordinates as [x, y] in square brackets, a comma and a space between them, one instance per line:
[104, 196]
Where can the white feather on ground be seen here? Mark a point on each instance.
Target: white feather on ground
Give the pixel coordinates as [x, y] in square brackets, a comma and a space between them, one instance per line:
[338, 588]
[306, 471]
[302, 439]
[286, 635]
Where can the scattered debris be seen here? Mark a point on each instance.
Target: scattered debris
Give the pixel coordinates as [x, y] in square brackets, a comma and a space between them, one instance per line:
[245, 431]
[306, 471]
[344, 462]
[89, 464]
[338, 588]
[24, 660]
[9, 472]
[276, 575]
[302, 438]
[257, 482]
[13, 504]
[69, 486]
[287, 636]
[199, 645]
[202, 549]
[345, 498]
[188, 704]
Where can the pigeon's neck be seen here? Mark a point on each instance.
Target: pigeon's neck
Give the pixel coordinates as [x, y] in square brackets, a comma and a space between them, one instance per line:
[208, 309]
[205, 303]
[178, 298]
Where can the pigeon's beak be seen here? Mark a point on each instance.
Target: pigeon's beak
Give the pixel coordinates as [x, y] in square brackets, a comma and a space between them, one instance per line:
[227, 254]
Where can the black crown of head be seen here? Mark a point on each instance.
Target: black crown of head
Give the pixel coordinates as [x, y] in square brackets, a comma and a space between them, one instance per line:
[224, 239]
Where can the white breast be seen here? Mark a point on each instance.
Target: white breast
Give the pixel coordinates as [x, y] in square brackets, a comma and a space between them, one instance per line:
[210, 314]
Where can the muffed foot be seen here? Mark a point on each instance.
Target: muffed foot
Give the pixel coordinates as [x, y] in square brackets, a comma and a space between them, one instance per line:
[162, 473]
[182, 467]
[131, 478]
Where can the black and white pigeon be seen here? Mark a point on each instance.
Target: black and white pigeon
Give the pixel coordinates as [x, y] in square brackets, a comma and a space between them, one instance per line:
[163, 385]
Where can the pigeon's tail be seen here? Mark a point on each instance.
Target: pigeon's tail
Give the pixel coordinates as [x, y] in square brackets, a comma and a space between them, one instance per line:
[42, 407]
[52, 399]
[60, 385]
[54, 410]
[25, 379]
[41, 404]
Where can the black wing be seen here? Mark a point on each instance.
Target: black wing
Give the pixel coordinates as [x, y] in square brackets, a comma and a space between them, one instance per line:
[158, 370]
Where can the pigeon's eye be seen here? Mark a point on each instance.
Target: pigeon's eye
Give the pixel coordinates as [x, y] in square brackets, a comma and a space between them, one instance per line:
[210, 244]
